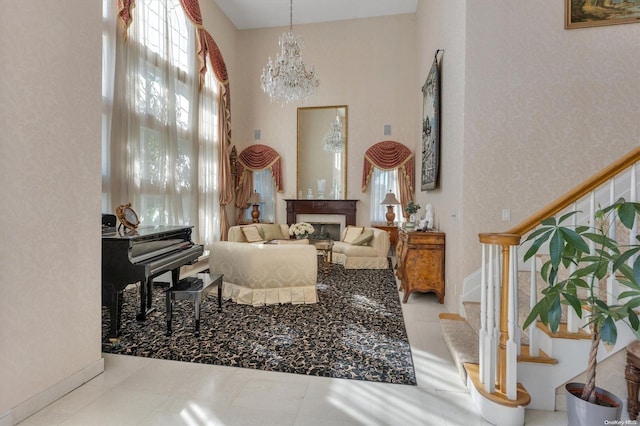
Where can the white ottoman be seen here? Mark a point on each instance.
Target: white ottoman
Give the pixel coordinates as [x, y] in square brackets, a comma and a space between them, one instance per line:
[264, 274]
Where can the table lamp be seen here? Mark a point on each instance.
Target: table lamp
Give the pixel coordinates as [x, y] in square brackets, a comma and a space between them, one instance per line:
[255, 199]
[390, 200]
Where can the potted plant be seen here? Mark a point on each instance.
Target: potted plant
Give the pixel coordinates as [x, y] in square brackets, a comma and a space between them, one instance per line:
[580, 291]
[412, 209]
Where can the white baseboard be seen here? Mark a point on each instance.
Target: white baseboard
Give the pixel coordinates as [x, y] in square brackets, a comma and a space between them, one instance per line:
[55, 392]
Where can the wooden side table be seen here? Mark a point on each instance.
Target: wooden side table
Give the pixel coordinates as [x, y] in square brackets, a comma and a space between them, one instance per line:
[326, 247]
[632, 375]
[420, 264]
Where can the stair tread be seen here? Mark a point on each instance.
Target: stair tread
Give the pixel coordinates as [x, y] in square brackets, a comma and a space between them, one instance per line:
[543, 358]
[563, 333]
[461, 341]
[522, 397]
[451, 316]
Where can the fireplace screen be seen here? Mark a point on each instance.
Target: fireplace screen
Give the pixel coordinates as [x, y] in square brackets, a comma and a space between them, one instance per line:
[325, 231]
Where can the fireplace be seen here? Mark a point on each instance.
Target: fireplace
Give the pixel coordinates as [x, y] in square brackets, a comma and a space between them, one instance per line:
[346, 208]
[328, 217]
[326, 231]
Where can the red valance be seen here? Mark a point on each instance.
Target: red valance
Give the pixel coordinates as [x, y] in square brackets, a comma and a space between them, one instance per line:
[124, 15]
[388, 155]
[219, 67]
[207, 46]
[258, 157]
[192, 10]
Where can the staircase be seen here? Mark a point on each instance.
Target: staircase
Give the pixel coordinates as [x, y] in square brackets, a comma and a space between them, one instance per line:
[504, 367]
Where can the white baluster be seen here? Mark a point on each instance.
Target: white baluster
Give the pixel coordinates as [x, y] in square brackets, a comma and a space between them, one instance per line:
[573, 322]
[515, 296]
[482, 335]
[633, 197]
[634, 185]
[513, 339]
[612, 287]
[497, 317]
[534, 347]
[489, 354]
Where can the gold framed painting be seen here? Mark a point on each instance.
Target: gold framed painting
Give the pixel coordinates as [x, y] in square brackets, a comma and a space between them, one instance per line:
[593, 13]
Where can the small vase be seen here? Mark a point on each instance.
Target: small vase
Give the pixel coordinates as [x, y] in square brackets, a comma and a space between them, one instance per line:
[302, 236]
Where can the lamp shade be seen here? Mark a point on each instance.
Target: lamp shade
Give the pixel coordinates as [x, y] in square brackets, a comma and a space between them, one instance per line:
[255, 198]
[390, 199]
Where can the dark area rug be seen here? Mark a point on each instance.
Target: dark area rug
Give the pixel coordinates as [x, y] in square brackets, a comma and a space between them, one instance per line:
[355, 331]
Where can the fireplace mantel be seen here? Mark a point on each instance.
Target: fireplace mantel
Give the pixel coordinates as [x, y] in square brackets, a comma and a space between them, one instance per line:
[343, 207]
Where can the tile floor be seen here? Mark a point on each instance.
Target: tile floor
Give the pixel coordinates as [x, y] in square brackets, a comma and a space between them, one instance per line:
[140, 391]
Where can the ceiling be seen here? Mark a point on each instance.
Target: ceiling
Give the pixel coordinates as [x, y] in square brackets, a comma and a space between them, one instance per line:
[249, 14]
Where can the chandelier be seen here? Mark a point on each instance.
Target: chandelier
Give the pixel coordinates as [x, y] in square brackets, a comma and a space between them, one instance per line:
[333, 140]
[286, 79]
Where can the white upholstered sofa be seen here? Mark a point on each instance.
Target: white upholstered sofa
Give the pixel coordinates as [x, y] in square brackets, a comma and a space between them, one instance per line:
[372, 254]
[265, 274]
[360, 247]
[267, 232]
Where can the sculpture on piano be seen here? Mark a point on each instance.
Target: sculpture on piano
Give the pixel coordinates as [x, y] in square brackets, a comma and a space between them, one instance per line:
[127, 216]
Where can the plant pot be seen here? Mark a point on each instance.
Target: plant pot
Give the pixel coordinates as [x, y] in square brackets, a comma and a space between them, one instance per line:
[580, 412]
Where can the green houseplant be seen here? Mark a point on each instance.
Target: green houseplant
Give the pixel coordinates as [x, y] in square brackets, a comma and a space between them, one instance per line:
[412, 208]
[594, 255]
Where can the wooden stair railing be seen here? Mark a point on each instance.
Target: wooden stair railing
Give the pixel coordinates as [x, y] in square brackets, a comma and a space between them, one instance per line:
[508, 242]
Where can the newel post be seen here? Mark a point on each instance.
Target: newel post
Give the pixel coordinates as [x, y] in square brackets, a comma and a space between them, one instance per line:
[505, 241]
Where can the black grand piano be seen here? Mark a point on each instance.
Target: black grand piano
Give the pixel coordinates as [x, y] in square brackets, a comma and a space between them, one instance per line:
[140, 256]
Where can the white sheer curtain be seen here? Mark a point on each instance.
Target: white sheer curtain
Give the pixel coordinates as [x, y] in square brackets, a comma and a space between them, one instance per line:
[263, 184]
[208, 163]
[161, 148]
[383, 181]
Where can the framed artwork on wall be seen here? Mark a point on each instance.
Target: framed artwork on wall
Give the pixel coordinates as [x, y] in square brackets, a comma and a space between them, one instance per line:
[593, 13]
[431, 127]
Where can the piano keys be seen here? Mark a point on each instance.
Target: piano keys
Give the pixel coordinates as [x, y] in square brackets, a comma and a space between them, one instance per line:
[140, 256]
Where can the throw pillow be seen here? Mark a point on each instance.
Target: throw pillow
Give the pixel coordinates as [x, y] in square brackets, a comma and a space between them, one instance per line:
[251, 234]
[363, 239]
[351, 233]
[272, 232]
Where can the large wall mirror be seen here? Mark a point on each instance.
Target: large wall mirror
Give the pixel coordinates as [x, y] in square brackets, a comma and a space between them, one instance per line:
[322, 152]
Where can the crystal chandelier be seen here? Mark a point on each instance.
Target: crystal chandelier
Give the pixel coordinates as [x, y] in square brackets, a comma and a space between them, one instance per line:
[286, 79]
[333, 140]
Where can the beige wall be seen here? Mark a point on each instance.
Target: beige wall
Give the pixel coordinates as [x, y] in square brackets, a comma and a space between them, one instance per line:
[441, 25]
[515, 96]
[523, 100]
[50, 80]
[366, 64]
[545, 108]
[50, 327]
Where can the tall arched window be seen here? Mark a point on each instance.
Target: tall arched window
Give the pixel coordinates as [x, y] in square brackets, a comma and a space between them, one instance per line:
[383, 182]
[162, 137]
[388, 166]
[259, 169]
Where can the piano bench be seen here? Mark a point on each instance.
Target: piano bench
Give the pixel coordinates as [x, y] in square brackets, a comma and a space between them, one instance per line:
[192, 288]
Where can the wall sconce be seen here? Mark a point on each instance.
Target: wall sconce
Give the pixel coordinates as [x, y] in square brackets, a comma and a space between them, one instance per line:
[255, 199]
[390, 200]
